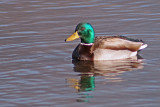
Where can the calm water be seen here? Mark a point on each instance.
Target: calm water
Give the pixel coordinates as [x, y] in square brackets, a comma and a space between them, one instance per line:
[36, 68]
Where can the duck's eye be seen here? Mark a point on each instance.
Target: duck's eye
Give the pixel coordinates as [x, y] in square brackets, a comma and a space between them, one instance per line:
[82, 28]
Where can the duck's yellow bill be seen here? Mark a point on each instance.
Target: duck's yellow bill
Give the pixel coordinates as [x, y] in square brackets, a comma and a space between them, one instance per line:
[73, 37]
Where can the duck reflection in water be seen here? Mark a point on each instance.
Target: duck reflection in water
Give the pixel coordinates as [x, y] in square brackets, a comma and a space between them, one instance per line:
[110, 70]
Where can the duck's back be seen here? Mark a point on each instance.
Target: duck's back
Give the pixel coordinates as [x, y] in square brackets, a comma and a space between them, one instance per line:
[118, 43]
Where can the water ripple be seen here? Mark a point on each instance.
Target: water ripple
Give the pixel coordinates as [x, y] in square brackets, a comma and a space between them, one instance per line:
[36, 67]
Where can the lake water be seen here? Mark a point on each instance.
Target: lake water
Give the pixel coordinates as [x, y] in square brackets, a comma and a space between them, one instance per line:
[36, 68]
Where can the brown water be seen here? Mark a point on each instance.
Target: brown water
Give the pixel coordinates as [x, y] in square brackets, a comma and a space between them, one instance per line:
[36, 68]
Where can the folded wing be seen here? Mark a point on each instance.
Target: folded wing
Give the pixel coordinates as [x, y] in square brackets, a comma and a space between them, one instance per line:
[119, 43]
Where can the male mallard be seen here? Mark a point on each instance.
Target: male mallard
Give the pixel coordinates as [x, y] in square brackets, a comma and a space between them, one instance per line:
[103, 47]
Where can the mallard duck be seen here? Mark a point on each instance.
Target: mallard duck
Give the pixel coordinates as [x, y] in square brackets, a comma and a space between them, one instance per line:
[103, 47]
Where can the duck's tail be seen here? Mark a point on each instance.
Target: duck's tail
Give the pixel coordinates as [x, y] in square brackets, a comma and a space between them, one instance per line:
[143, 46]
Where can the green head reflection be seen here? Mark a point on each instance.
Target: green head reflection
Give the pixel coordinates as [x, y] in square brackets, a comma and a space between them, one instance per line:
[87, 83]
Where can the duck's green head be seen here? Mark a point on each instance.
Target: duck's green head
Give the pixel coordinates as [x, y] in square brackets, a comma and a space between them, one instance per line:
[84, 31]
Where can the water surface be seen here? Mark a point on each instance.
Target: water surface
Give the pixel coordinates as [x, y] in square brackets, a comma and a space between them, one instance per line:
[36, 68]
